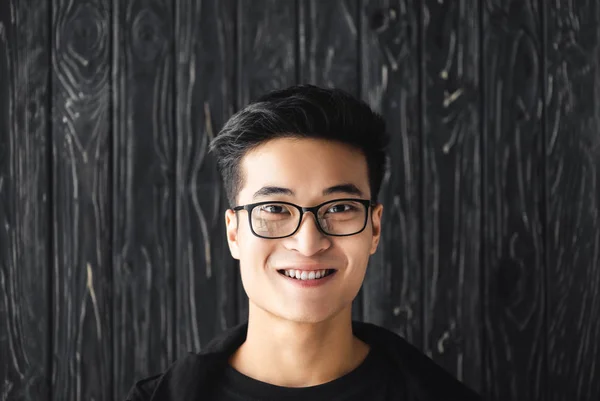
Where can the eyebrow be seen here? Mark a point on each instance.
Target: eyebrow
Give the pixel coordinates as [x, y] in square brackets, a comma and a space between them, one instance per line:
[349, 189]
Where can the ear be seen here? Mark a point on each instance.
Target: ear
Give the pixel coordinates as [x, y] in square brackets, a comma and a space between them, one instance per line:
[376, 222]
[232, 233]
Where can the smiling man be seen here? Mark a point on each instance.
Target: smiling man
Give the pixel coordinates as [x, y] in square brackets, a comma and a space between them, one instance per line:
[302, 168]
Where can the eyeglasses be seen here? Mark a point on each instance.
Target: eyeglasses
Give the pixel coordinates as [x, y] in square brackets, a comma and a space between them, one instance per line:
[339, 217]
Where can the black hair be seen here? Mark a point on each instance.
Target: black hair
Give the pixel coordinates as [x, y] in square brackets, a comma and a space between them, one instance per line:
[302, 111]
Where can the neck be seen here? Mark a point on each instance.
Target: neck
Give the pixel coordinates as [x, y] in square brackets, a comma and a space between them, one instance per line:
[292, 354]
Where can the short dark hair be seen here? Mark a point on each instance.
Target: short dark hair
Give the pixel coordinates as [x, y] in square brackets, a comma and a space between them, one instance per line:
[301, 111]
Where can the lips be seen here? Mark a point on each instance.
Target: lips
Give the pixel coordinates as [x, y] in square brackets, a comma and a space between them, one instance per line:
[306, 274]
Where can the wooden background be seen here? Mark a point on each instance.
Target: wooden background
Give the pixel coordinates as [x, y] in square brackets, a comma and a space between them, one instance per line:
[113, 259]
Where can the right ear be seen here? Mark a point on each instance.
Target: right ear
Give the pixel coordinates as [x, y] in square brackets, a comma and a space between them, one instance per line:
[231, 225]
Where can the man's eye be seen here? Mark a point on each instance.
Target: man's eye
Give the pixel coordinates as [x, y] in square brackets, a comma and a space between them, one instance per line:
[275, 209]
[342, 207]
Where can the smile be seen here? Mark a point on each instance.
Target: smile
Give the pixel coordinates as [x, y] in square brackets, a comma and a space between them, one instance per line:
[306, 275]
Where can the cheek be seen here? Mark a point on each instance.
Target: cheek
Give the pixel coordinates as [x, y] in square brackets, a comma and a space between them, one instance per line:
[254, 251]
[254, 259]
[251, 245]
[357, 251]
[359, 245]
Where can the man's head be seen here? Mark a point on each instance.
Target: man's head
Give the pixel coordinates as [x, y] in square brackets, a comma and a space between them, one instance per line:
[304, 146]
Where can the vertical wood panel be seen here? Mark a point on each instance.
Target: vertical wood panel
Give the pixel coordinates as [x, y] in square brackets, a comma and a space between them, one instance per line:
[267, 57]
[205, 285]
[228, 53]
[452, 192]
[328, 44]
[143, 190]
[514, 289]
[24, 185]
[82, 350]
[573, 188]
[328, 56]
[266, 61]
[390, 82]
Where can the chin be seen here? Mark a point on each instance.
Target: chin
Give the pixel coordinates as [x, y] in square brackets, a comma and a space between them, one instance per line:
[306, 318]
[305, 315]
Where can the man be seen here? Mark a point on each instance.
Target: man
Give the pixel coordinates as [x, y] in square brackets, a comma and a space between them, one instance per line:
[302, 168]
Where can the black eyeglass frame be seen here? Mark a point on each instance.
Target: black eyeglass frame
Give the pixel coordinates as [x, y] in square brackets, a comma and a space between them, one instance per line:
[367, 203]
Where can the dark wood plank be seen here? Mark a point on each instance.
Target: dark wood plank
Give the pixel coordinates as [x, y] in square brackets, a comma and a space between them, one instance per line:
[452, 188]
[390, 84]
[266, 61]
[205, 270]
[328, 44]
[267, 56]
[573, 189]
[513, 247]
[24, 211]
[328, 56]
[82, 330]
[143, 190]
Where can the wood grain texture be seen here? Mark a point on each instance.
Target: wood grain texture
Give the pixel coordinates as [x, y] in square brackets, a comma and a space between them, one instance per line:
[573, 190]
[205, 270]
[143, 190]
[82, 332]
[266, 60]
[113, 255]
[328, 44]
[266, 47]
[390, 84]
[452, 188]
[24, 211]
[513, 276]
[328, 56]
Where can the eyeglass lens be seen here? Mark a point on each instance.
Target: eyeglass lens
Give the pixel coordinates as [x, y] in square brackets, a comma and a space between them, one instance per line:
[335, 218]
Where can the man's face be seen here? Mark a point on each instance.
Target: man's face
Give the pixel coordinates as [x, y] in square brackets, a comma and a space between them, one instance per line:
[306, 167]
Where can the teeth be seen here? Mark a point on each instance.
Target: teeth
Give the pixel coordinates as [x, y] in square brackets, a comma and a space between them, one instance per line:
[304, 275]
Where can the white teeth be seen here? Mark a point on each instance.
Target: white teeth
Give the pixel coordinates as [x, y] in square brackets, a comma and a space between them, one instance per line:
[305, 275]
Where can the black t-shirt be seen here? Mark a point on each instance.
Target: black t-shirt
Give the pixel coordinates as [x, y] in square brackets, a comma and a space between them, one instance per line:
[371, 380]
[394, 370]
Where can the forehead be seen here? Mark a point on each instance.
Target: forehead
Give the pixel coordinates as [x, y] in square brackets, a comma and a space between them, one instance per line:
[304, 165]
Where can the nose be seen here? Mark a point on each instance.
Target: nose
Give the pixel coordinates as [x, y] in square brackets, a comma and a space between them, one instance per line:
[308, 240]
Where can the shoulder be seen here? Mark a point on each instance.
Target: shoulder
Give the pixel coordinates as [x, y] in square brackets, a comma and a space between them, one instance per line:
[193, 374]
[143, 389]
[430, 378]
[184, 379]
[422, 377]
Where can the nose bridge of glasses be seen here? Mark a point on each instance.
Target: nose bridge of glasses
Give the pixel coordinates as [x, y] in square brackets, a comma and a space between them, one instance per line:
[314, 211]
